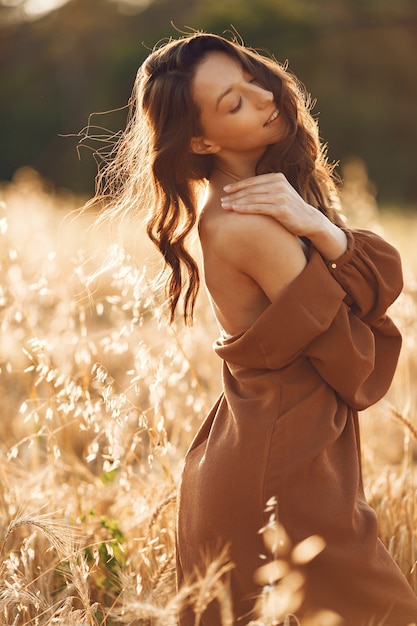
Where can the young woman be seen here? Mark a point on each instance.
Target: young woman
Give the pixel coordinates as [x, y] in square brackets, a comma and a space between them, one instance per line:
[301, 302]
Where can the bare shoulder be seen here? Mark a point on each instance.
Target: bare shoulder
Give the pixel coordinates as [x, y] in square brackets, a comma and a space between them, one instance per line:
[233, 236]
[248, 260]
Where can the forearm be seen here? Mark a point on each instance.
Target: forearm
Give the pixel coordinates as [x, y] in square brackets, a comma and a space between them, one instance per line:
[328, 238]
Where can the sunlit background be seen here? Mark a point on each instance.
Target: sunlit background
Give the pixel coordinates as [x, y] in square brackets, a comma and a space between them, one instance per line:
[100, 396]
[62, 60]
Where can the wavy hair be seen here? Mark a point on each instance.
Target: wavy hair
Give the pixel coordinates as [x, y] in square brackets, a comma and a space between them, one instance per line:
[151, 165]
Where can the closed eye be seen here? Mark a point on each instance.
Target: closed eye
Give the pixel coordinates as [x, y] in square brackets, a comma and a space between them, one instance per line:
[237, 107]
[239, 104]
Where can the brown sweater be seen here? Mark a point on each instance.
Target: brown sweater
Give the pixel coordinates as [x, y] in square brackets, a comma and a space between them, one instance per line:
[286, 428]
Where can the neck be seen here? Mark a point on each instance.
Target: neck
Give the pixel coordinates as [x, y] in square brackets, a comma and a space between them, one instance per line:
[236, 169]
[227, 172]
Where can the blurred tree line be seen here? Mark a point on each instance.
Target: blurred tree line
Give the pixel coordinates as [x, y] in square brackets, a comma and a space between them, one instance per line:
[357, 58]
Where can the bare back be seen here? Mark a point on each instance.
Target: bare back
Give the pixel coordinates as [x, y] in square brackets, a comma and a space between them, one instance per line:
[248, 260]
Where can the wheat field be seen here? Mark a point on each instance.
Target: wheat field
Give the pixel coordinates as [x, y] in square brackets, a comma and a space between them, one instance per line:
[100, 400]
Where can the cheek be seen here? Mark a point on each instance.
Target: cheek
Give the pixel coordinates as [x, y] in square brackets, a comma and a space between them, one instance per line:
[221, 131]
[209, 127]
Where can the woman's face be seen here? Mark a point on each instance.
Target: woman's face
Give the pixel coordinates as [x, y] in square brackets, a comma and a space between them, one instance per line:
[236, 113]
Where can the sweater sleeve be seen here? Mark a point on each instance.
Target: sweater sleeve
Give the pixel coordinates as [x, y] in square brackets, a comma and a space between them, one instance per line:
[360, 369]
[370, 273]
[357, 360]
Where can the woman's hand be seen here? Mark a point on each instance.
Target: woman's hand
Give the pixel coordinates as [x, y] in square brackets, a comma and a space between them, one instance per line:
[272, 194]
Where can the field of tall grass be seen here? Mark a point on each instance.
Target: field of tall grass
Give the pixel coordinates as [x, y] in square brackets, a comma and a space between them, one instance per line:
[100, 398]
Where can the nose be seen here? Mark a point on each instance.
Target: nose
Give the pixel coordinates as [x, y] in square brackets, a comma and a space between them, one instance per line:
[262, 97]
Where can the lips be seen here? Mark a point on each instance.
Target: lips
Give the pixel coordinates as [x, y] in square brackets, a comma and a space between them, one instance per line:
[273, 117]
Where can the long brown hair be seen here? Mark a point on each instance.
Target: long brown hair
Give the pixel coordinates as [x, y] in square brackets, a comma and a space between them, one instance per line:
[152, 163]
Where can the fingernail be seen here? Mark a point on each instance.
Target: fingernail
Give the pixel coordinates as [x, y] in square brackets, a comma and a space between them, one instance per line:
[227, 187]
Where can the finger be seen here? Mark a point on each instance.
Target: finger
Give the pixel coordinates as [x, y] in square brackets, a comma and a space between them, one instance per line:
[258, 209]
[241, 184]
[271, 188]
[250, 207]
[248, 199]
[262, 179]
[258, 188]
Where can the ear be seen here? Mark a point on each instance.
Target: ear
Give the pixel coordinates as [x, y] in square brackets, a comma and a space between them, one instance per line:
[199, 145]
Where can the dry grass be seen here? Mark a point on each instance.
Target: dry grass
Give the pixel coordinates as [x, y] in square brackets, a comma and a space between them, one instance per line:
[100, 399]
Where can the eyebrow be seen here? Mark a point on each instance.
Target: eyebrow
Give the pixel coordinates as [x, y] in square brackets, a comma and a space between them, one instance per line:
[222, 95]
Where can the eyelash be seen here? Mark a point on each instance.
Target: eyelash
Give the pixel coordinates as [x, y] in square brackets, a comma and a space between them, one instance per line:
[239, 105]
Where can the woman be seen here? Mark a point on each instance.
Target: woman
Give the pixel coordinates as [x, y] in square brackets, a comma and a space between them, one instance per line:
[301, 302]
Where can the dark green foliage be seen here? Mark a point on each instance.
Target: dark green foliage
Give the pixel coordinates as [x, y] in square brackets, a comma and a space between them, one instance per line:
[356, 57]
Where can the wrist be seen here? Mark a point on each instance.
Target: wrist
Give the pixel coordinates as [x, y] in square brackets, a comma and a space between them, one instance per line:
[328, 239]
